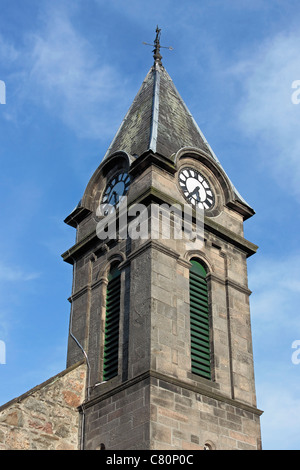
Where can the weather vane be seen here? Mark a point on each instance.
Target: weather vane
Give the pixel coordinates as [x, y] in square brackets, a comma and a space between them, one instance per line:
[156, 51]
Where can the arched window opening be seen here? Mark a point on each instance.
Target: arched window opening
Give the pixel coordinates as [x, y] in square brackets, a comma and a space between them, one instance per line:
[199, 321]
[112, 319]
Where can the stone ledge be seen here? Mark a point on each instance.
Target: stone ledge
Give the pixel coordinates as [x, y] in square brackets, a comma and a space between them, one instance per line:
[207, 390]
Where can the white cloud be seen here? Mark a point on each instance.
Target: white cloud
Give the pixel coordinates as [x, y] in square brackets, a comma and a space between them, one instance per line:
[266, 112]
[15, 274]
[12, 279]
[59, 69]
[276, 291]
[70, 79]
[276, 325]
[8, 52]
[281, 405]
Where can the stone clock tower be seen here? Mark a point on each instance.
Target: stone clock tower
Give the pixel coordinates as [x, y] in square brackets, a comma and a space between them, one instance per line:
[163, 322]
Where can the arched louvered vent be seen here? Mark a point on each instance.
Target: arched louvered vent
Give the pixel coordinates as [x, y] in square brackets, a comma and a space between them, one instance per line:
[111, 342]
[199, 321]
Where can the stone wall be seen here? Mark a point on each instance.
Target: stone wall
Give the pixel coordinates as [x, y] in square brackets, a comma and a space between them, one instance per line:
[194, 417]
[46, 417]
[156, 412]
[119, 418]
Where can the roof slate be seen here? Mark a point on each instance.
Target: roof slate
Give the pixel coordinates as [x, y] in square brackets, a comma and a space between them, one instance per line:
[159, 120]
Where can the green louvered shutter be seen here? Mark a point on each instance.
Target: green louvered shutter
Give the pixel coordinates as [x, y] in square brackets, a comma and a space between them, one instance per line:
[111, 342]
[199, 321]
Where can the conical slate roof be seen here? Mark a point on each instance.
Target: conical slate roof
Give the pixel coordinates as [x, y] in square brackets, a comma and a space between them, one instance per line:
[157, 120]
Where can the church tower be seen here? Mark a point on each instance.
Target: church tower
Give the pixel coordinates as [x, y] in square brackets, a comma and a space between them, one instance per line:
[162, 321]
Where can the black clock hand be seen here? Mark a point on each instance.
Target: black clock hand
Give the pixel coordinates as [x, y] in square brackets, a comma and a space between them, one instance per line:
[195, 193]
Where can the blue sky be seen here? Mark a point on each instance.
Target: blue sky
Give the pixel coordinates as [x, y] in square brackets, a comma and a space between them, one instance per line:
[71, 70]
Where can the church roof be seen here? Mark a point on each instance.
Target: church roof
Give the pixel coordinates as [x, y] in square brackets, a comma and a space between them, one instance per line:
[159, 120]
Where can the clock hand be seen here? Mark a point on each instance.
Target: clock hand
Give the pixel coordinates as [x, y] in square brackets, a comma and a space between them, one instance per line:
[196, 193]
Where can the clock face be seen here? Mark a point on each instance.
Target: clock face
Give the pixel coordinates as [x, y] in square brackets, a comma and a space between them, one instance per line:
[196, 188]
[115, 191]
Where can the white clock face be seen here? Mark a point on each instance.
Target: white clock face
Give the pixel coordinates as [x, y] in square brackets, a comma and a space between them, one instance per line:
[196, 188]
[115, 191]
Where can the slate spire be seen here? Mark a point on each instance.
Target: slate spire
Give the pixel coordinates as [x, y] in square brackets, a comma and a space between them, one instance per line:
[158, 119]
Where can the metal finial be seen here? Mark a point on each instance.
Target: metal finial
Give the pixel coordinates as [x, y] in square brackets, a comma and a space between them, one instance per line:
[156, 51]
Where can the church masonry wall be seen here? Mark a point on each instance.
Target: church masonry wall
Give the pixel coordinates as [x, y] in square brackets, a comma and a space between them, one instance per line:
[120, 418]
[140, 313]
[155, 339]
[46, 417]
[185, 418]
[156, 412]
[86, 226]
[231, 346]
[159, 311]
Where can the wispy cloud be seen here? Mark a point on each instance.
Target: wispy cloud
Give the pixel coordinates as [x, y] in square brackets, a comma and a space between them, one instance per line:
[9, 53]
[276, 324]
[15, 274]
[60, 70]
[13, 279]
[70, 76]
[265, 110]
[276, 291]
[280, 421]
